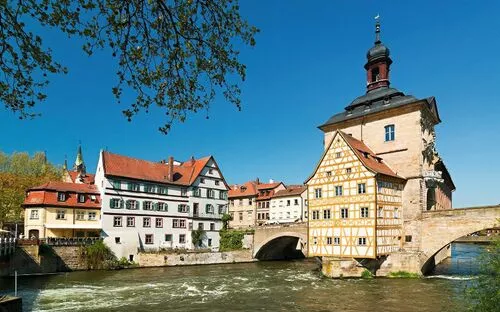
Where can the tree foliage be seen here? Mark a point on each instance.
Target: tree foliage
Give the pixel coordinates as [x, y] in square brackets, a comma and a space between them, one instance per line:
[19, 172]
[231, 240]
[99, 256]
[484, 294]
[173, 54]
[197, 237]
[225, 221]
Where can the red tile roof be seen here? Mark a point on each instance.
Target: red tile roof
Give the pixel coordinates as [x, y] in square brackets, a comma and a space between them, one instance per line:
[128, 167]
[88, 178]
[265, 186]
[367, 157]
[245, 190]
[46, 195]
[296, 191]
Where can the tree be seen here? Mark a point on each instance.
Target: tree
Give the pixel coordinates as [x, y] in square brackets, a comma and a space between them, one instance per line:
[484, 294]
[197, 237]
[18, 172]
[225, 221]
[173, 54]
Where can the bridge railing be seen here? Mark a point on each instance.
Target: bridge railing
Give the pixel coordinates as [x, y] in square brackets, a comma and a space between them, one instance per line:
[7, 246]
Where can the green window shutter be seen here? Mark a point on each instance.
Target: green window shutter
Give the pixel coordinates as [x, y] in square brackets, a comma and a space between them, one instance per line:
[155, 205]
[179, 208]
[129, 186]
[111, 203]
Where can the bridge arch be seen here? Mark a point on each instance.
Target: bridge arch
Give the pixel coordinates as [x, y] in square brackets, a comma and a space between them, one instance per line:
[441, 228]
[281, 246]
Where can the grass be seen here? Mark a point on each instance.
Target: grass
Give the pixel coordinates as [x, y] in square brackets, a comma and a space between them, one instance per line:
[403, 274]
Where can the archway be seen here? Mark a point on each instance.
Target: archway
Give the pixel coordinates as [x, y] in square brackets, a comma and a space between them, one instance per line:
[33, 234]
[284, 247]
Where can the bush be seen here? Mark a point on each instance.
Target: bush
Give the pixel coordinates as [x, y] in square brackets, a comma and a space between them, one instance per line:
[231, 240]
[366, 274]
[98, 256]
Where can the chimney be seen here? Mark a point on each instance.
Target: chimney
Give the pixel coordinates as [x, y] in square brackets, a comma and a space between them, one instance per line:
[271, 181]
[257, 181]
[170, 174]
[192, 160]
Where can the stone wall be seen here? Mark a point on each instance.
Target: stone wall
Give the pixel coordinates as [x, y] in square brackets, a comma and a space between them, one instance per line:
[172, 259]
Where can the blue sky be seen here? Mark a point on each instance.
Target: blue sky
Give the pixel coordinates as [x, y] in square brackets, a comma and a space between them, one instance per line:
[306, 66]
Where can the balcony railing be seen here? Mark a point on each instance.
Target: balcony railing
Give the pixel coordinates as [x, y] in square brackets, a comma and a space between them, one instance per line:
[70, 241]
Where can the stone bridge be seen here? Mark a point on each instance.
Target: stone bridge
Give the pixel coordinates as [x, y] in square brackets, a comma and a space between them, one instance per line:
[437, 230]
[277, 242]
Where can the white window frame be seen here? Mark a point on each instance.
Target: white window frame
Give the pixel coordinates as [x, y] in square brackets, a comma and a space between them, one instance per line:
[34, 214]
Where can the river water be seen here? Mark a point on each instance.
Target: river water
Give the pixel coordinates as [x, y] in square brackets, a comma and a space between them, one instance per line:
[261, 286]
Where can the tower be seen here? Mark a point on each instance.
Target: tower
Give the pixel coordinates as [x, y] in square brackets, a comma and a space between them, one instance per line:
[79, 165]
[378, 63]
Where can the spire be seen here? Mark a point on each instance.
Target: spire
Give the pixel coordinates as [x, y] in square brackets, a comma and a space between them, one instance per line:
[79, 163]
[65, 165]
[377, 29]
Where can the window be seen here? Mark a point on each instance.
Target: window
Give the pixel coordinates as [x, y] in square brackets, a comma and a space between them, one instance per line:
[115, 203]
[249, 215]
[149, 239]
[184, 191]
[396, 213]
[80, 215]
[92, 216]
[317, 193]
[132, 204]
[380, 212]
[296, 202]
[329, 240]
[267, 204]
[344, 213]
[117, 184]
[328, 173]
[209, 242]
[212, 226]
[117, 221]
[240, 216]
[336, 240]
[179, 223]
[209, 208]
[159, 222]
[130, 221]
[196, 192]
[389, 133]
[348, 170]
[210, 171]
[210, 193]
[81, 198]
[217, 182]
[326, 214]
[183, 208]
[168, 237]
[288, 202]
[34, 214]
[161, 206]
[149, 188]
[117, 240]
[61, 215]
[338, 191]
[375, 74]
[61, 196]
[231, 202]
[338, 154]
[146, 222]
[162, 190]
[147, 205]
[202, 180]
[223, 195]
[201, 226]
[362, 241]
[408, 238]
[135, 187]
[315, 214]
[240, 202]
[361, 188]
[182, 238]
[222, 209]
[250, 202]
[364, 212]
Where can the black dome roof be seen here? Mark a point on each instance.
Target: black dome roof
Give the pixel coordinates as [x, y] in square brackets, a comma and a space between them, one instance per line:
[378, 50]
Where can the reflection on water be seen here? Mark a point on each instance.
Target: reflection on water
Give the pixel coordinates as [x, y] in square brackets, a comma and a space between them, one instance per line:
[264, 286]
[463, 261]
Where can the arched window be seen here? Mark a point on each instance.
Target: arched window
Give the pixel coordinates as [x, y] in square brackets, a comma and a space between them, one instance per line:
[390, 133]
[375, 74]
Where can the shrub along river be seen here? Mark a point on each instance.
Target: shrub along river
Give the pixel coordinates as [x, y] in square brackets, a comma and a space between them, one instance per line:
[261, 286]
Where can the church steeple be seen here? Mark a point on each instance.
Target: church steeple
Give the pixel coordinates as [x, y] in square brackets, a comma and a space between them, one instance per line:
[378, 62]
[79, 163]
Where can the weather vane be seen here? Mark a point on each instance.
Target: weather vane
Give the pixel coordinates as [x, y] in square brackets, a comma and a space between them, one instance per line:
[377, 28]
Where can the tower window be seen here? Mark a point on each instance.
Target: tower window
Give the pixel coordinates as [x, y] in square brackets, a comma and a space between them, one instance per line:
[390, 133]
[375, 74]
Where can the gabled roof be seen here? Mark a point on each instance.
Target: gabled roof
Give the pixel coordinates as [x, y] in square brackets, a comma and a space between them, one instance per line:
[267, 186]
[296, 191]
[46, 195]
[367, 157]
[133, 168]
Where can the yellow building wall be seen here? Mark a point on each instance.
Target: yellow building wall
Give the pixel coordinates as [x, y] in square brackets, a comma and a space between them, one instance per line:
[348, 230]
[389, 215]
[248, 212]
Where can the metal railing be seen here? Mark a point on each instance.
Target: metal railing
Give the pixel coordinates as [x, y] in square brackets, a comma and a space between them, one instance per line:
[7, 246]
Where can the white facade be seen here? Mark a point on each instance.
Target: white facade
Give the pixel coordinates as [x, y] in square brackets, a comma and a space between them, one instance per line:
[145, 215]
[288, 208]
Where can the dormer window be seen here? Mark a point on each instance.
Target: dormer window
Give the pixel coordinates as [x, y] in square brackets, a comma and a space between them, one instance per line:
[61, 196]
[390, 133]
[81, 198]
